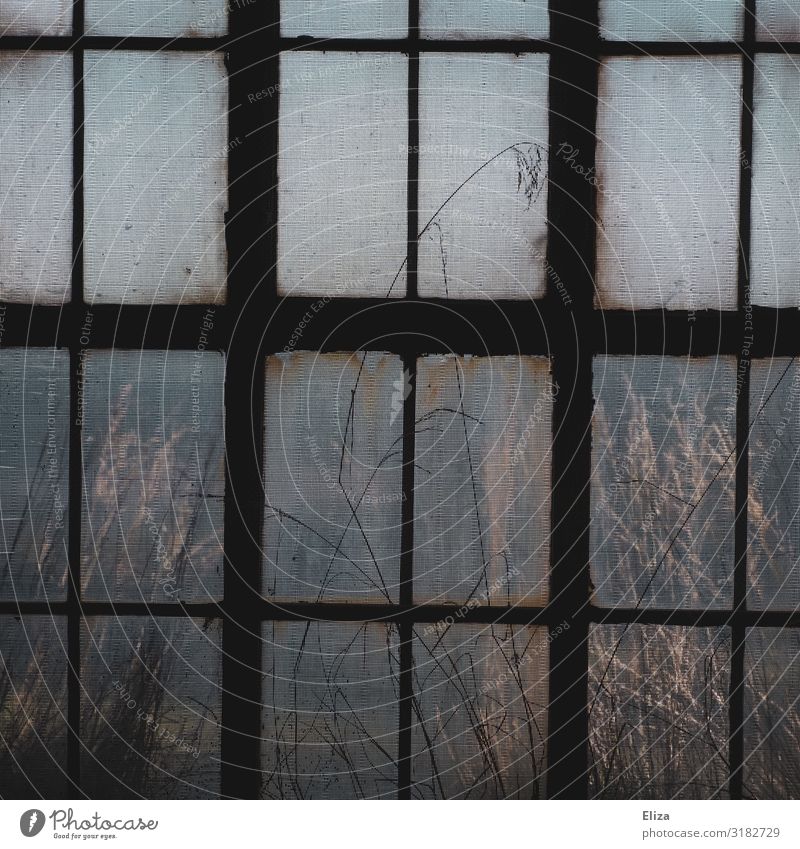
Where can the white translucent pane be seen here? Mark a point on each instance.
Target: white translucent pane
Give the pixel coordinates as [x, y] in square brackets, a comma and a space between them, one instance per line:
[774, 478]
[480, 718]
[478, 19]
[775, 250]
[668, 182]
[663, 482]
[329, 718]
[484, 113]
[778, 20]
[35, 176]
[772, 714]
[156, 177]
[36, 17]
[671, 20]
[342, 171]
[34, 473]
[33, 707]
[332, 476]
[176, 18]
[345, 18]
[153, 450]
[482, 480]
[658, 712]
[151, 707]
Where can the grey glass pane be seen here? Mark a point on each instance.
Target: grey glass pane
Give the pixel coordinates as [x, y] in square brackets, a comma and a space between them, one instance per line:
[35, 176]
[156, 177]
[480, 712]
[663, 481]
[33, 707]
[342, 174]
[668, 182]
[772, 714]
[482, 480]
[329, 721]
[151, 708]
[332, 477]
[345, 18]
[474, 19]
[177, 18]
[658, 712]
[34, 473]
[153, 475]
[671, 20]
[483, 135]
[777, 20]
[36, 17]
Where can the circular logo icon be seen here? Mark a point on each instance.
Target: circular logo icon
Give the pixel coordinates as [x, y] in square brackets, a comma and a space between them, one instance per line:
[31, 822]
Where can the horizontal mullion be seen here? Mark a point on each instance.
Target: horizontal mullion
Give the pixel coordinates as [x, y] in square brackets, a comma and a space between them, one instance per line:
[695, 618]
[114, 42]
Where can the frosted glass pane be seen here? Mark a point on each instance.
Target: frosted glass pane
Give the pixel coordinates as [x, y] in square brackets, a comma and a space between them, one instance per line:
[772, 716]
[345, 18]
[490, 240]
[658, 712]
[480, 718]
[663, 482]
[330, 721]
[482, 487]
[33, 707]
[668, 172]
[177, 18]
[775, 251]
[153, 476]
[332, 477]
[342, 173]
[35, 17]
[671, 20]
[35, 176]
[34, 473]
[156, 177]
[778, 20]
[466, 19]
[774, 497]
[151, 708]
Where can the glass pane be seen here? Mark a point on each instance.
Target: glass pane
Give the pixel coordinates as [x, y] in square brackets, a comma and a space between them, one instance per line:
[658, 712]
[34, 473]
[466, 19]
[156, 177]
[345, 18]
[671, 20]
[772, 719]
[36, 176]
[151, 708]
[668, 177]
[332, 477]
[178, 18]
[490, 239]
[342, 174]
[777, 20]
[153, 476]
[775, 252]
[482, 488]
[329, 722]
[33, 707]
[480, 712]
[663, 482]
[35, 17]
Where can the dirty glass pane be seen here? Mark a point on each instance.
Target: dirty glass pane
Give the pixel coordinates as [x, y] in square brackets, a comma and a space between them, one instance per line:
[33, 707]
[663, 482]
[668, 182]
[658, 712]
[35, 17]
[490, 239]
[332, 476]
[671, 20]
[474, 19]
[34, 473]
[329, 721]
[156, 177]
[342, 174]
[345, 18]
[177, 18]
[153, 475]
[35, 176]
[777, 20]
[482, 480]
[480, 712]
[151, 707]
[772, 715]
[775, 251]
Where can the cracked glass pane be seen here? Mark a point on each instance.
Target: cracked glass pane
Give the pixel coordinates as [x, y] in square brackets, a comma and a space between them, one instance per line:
[35, 17]
[345, 18]
[176, 18]
[671, 20]
[475, 19]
